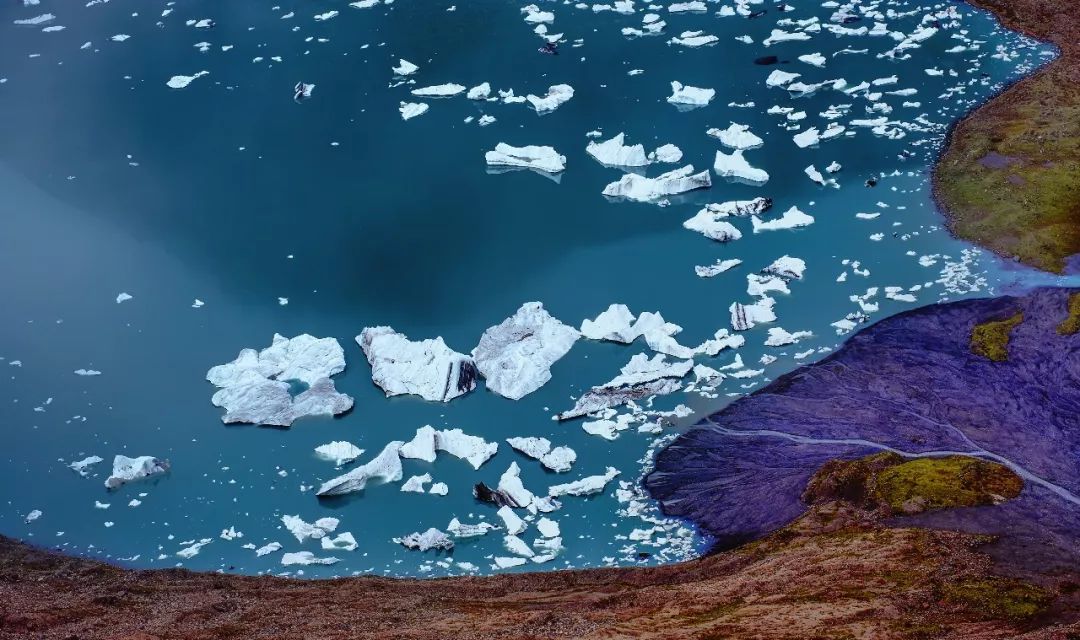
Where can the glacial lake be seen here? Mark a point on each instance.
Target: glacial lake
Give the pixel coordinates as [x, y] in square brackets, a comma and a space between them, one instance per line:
[330, 214]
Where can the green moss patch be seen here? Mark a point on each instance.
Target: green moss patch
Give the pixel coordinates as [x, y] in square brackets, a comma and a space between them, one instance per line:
[913, 486]
[941, 483]
[991, 339]
[998, 597]
[1071, 324]
[1028, 208]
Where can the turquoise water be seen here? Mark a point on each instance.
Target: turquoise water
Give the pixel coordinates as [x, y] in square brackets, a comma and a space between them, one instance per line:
[230, 192]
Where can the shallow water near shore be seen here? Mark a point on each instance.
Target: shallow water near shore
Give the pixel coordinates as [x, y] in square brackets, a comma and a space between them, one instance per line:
[230, 192]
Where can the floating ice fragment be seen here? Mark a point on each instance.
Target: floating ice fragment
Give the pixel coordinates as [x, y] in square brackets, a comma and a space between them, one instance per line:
[716, 269]
[736, 136]
[82, 467]
[438, 91]
[791, 219]
[640, 378]
[87, 372]
[180, 82]
[339, 452]
[690, 96]
[515, 356]
[426, 368]
[735, 166]
[304, 558]
[615, 153]
[304, 531]
[404, 68]
[412, 109]
[556, 95]
[587, 486]
[541, 158]
[123, 297]
[267, 549]
[416, 484]
[430, 539]
[634, 187]
[127, 469]
[385, 467]
[779, 337]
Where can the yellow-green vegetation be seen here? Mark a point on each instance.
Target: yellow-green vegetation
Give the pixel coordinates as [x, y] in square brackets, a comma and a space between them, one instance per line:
[998, 597]
[1071, 324]
[915, 485]
[991, 339]
[1009, 179]
[940, 483]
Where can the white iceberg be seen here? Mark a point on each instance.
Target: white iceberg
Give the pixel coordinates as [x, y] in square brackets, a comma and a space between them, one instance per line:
[667, 153]
[584, 487]
[473, 449]
[82, 467]
[558, 459]
[735, 166]
[510, 484]
[736, 136]
[709, 223]
[412, 109]
[255, 388]
[615, 153]
[339, 452]
[515, 356]
[541, 158]
[304, 530]
[557, 94]
[416, 484]
[181, 82]
[511, 521]
[304, 558]
[427, 368]
[438, 91]
[430, 539]
[404, 68]
[640, 378]
[479, 92]
[127, 469]
[747, 316]
[344, 541]
[459, 529]
[716, 269]
[634, 187]
[385, 467]
[690, 96]
[779, 337]
[793, 218]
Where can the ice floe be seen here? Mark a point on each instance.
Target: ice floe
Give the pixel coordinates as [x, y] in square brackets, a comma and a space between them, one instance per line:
[736, 136]
[339, 452]
[385, 467]
[642, 189]
[404, 68]
[427, 368]
[430, 539]
[180, 82]
[438, 91]
[615, 153]
[255, 388]
[127, 469]
[305, 558]
[82, 467]
[557, 459]
[410, 110]
[556, 95]
[640, 378]
[473, 449]
[587, 486]
[736, 166]
[540, 158]
[515, 356]
[309, 531]
[686, 96]
[793, 218]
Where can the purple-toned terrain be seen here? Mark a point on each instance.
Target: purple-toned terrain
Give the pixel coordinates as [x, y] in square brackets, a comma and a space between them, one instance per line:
[909, 384]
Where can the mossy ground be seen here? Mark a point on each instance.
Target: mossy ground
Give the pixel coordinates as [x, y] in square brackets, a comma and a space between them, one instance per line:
[1030, 208]
[1071, 324]
[886, 479]
[956, 481]
[999, 597]
[991, 339]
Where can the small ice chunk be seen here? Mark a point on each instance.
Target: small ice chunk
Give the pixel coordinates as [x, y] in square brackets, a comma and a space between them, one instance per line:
[459, 529]
[304, 530]
[267, 549]
[668, 153]
[181, 82]
[587, 486]
[513, 523]
[439, 489]
[548, 528]
[541, 158]
[123, 297]
[416, 484]
[410, 110]
[304, 558]
[793, 218]
[690, 96]
[344, 541]
[339, 452]
[735, 166]
[127, 469]
[779, 337]
[82, 467]
[385, 467]
[479, 92]
[736, 136]
[615, 153]
[639, 188]
[557, 94]
[438, 91]
[404, 68]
